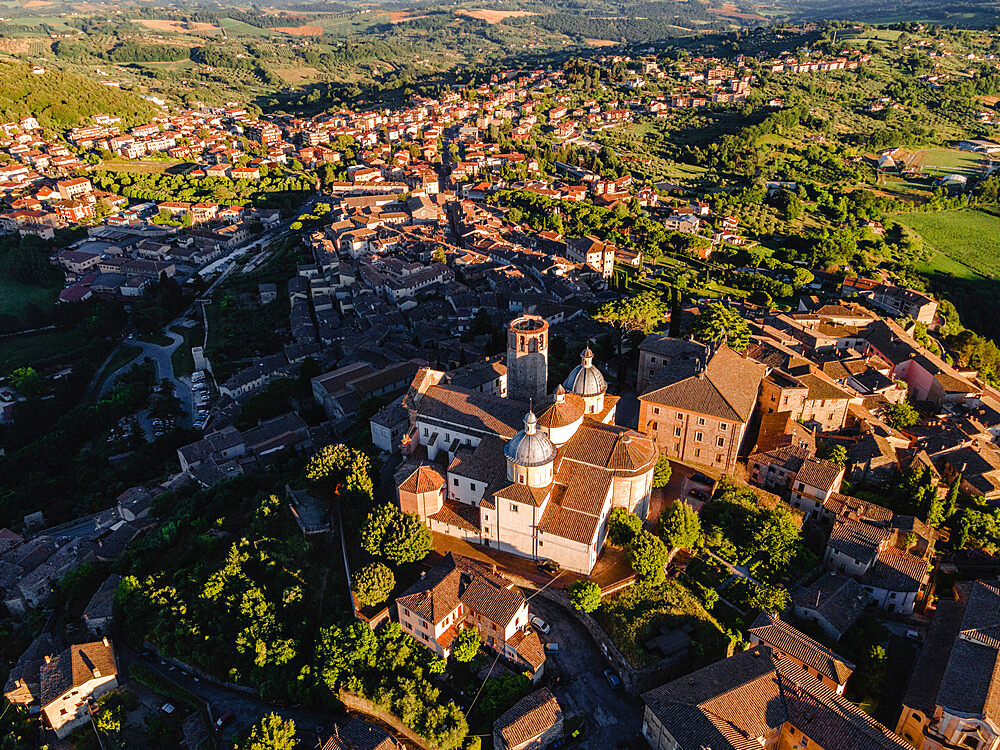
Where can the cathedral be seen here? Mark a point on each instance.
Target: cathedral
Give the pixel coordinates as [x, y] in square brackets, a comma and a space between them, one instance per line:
[517, 468]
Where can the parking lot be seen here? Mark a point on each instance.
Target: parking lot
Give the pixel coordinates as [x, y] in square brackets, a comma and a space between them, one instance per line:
[613, 718]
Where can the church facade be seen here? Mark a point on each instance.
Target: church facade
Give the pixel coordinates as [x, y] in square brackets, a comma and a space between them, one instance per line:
[533, 473]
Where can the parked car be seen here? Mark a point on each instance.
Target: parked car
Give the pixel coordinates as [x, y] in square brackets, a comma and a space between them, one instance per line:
[549, 566]
[700, 478]
[225, 720]
[612, 679]
[167, 708]
[551, 647]
[700, 495]
[540, 625]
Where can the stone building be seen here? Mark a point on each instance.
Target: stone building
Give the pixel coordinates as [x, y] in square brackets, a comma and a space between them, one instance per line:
[533, 475]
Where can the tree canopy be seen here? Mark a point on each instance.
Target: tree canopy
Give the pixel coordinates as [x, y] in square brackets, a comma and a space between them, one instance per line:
[648, 558]
[398, 537]
[373, 584]
[680, 526]
[717, 321]
[630, 315]
[585, 595]
[272, 732]
[623, 526]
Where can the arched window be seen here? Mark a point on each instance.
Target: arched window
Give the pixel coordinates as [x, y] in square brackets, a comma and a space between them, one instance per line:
[532, 345]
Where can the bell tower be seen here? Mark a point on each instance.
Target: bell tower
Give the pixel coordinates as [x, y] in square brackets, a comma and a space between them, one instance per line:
[527, 357]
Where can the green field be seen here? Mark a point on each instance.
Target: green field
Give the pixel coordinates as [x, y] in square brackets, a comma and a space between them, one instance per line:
[19, 351]
[15, 296]
[966, 243]
[939, 161]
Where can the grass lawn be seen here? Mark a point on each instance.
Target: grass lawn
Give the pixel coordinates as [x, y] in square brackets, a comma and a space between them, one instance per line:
[938, 161]
[15, 296]
[966, 243]
[126, 354]
[159, 339]
[637, 614]
[145, 166]
[20, 351]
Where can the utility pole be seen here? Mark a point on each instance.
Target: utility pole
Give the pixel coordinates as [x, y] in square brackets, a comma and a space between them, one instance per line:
[91, 710]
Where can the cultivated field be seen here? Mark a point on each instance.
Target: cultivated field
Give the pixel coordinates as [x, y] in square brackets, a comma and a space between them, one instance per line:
[495, 16]
[305, 30]
[966, 242]
[179, 27]
[14, 296]
[297, 75]
[599, 42]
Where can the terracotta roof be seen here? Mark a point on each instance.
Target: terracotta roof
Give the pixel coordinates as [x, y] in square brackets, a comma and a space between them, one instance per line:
[971, 681]
[493, 599]
[847, 506]
[817, 472]
[857, 539]
[727, 389]
[530, 717]
[528, 646]
[569, 524]
[562, 413]
[522, 493]
[895, 570]
[620, 450]
[358, 734]
[75, 666]
[729, 705]
[837, 598]
[424, 478]
[455, 513]
[789, 640]
[481, 412]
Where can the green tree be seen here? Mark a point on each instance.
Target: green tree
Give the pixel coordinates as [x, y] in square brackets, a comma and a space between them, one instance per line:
[648, 558]
[585, 595]
[662, 472]
[26, 380]
[398, 537]
[836, 454]
[438, 255]
[373, 584]
[901, 415]
[718, 321]
[466, 645]
[680, 526]
[767, 598]
[632, 315]
[338, 468]
[271, 732]
[623, 527]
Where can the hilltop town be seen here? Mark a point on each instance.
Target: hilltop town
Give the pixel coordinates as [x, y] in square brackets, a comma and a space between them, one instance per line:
[646, 398]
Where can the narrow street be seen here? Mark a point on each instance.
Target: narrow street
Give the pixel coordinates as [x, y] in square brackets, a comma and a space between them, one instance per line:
[612, 717]
[246, 707]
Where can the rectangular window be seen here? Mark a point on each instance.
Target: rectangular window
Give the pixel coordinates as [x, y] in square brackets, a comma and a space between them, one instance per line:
[720, 441]
[701, 421]
[680, 415]
[723, 426]
[472, 486]
[425, 432]
[513, 507]
[677, 432]
[455, 481]
[656, 410]
[698, 436]
[540, 543]
[697, 452]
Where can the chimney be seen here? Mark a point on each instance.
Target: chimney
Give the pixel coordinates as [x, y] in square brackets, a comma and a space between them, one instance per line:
[104, 640]
[47, 658]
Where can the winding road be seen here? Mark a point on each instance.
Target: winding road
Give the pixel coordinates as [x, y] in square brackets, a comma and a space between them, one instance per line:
[164, 366]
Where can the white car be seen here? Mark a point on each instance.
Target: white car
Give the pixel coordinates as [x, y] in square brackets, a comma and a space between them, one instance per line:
[540, 625]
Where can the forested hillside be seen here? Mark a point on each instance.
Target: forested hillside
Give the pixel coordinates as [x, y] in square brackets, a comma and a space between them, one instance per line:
[64, 100]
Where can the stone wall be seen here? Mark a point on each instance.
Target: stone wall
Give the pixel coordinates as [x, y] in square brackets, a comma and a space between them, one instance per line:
[364, 706]
[634, 681]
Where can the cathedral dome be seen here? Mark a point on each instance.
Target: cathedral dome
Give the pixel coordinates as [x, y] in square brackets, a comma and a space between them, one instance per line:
[529, 447]
[586, 379]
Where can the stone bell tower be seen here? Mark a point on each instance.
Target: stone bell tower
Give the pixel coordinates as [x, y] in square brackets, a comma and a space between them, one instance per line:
[527, 357]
